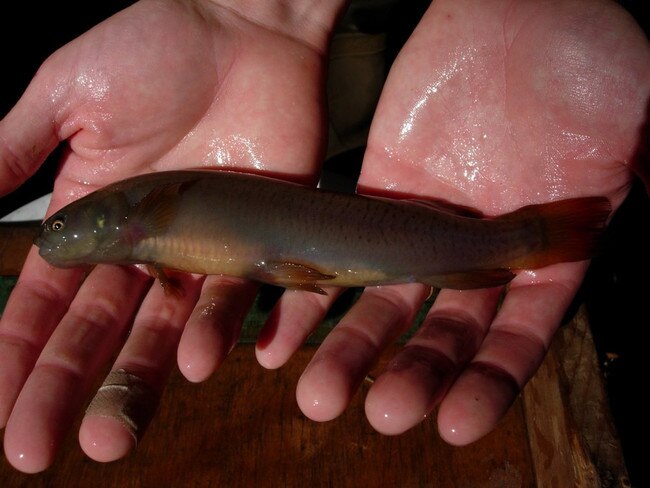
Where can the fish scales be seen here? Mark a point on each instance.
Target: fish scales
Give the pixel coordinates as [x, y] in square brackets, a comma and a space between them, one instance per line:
[336, 232]
[218, 222]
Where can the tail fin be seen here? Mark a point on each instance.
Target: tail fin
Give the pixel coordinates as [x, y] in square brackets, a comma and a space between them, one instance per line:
[571, 230]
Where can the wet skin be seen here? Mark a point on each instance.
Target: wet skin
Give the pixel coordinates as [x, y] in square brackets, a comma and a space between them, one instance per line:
[474, 111]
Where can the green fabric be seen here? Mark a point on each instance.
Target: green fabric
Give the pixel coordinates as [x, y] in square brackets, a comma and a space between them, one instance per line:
[260, 310]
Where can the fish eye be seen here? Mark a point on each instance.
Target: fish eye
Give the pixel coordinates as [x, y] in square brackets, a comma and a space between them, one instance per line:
[58, 224]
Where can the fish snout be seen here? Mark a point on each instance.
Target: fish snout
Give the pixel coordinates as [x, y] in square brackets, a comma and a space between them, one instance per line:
[39, 241]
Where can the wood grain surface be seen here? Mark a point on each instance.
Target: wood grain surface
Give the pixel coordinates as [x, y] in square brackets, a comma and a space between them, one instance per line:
[572, 436]
[15, 241]
[243, 428]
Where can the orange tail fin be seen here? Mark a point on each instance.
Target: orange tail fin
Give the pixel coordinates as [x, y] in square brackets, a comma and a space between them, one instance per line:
[571, 229]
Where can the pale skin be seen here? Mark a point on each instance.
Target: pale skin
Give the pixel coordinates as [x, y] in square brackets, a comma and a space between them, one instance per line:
[475, 110]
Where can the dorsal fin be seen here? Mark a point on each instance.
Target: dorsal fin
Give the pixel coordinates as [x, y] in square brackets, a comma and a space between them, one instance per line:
[450, 208]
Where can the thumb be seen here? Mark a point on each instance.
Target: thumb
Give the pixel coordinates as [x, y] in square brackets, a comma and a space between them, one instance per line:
[28, 134]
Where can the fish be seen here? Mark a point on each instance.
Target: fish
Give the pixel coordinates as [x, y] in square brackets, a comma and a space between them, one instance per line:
[217, 222]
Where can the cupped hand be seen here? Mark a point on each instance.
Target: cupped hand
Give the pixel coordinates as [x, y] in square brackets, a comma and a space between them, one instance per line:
[161, 85]
[491, 105]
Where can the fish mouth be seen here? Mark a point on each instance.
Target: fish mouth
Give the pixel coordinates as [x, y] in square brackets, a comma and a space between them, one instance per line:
[41, 241]
[49, 252]
[54, 252]
[45, 248]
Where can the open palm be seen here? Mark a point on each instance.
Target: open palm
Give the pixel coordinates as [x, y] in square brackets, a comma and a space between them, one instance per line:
[161, 85]
[491, 105]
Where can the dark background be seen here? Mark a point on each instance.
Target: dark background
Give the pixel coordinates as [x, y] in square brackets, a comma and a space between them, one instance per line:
[616, 286]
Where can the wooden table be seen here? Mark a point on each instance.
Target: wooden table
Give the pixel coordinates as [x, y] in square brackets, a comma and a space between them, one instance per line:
[243, 428]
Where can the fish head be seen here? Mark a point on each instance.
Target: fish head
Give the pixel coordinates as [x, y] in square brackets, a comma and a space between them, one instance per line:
[91, 230]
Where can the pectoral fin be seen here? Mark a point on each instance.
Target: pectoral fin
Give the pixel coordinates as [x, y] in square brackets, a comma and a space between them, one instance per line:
[486, 278]
[292, 275]
[171, 286]
[157, 210]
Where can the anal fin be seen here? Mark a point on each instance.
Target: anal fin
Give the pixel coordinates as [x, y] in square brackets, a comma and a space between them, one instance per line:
[308, 287]
[484, 278]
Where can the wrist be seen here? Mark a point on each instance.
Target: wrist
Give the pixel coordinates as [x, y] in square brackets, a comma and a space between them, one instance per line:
[309, 21]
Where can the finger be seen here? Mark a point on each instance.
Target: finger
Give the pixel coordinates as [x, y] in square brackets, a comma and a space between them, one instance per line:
[110, 429]
[35, 307]
[214, 326]
[38, 302]
[294, 317]
[418, 377]
[510, 354]
[85, 338]
[28, 134]
[337, 369]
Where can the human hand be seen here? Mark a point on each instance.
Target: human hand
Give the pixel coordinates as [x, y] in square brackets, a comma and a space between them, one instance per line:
[491, 105]
[161, 85]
